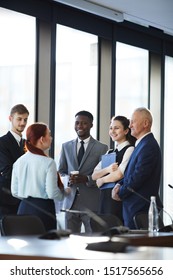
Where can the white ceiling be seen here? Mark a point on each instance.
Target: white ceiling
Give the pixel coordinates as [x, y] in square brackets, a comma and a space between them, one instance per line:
[156, 13]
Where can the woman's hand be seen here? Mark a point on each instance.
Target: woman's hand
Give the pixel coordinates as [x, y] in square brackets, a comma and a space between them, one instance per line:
[113, 167]
[59, 182]
[67, 190]
[99, 182]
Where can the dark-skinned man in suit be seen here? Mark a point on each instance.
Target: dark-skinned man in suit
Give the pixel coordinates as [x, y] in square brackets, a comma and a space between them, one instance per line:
[83, 193]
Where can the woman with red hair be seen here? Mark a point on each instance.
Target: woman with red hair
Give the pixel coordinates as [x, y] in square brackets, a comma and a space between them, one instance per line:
[34, 177]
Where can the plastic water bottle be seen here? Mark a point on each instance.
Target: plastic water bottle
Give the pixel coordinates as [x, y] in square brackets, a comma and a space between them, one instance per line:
[153, 216]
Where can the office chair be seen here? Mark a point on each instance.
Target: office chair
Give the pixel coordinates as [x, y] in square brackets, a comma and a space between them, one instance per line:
[22, 225]
[141, 221]
[108, 220]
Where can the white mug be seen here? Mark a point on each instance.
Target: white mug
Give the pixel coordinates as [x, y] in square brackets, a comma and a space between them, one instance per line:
[74, 172]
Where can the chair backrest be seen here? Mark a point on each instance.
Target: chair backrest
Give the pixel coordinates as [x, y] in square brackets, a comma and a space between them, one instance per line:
[141, 221]
[22, 225]
[110, 221]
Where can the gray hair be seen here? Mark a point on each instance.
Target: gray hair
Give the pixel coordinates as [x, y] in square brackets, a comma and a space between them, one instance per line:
[146, 113]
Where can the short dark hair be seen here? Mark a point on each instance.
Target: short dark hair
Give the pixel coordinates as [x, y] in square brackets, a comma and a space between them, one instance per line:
[19, 108]
[85, 113]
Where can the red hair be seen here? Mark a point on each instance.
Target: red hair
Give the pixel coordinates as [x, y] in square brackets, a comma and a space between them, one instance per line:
[33, 134]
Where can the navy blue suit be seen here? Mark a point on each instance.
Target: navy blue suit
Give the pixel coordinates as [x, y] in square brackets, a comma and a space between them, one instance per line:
[143, 176]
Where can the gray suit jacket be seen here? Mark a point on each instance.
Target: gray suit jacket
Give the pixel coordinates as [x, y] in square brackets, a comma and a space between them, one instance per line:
[89, 193]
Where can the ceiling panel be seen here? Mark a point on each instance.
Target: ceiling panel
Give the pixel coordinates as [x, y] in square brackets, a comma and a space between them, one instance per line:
[156, 13]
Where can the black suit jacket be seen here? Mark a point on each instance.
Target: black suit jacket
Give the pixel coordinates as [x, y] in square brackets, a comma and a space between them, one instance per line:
[9, 153]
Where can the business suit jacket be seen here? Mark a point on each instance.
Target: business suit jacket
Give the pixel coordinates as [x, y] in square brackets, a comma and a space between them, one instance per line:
[9, 153]
[89, 193]
[143, 176]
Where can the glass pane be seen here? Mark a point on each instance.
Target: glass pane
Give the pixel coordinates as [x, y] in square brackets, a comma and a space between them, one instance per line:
[168, 140]
[76, 81]
[131, 79]
[17, 64]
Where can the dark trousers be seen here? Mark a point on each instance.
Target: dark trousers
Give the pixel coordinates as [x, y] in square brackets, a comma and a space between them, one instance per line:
[109, 205]
[74, 221]
[43, 208]
[8, 210]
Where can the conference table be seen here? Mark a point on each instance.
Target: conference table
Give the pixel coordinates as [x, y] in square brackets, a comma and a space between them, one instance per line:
[138, 246]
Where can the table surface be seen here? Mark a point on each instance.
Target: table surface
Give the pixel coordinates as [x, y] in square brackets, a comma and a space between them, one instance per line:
[74, 247]
[160, 239]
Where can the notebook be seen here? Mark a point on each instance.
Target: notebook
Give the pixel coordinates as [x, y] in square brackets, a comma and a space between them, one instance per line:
[106, 160]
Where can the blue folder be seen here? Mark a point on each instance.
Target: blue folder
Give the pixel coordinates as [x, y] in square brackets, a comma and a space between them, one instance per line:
[107, 160]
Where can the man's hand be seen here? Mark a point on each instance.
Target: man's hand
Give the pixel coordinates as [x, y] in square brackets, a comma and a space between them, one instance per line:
[115, 192]
[77, 179]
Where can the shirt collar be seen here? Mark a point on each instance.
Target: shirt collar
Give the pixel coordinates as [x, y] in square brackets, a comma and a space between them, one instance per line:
[85, 140]
[120, 146]
[16, 136]
[138, 140]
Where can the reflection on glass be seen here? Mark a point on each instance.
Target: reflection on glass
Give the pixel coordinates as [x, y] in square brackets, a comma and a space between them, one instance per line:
[131, 79]
[168, 140]
[17, 63]
[76, 81]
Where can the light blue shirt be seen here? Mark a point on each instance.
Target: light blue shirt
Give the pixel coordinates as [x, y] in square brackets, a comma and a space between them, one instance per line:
[35, 176]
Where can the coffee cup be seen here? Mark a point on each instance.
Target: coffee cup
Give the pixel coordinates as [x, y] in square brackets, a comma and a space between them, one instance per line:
[74, 172]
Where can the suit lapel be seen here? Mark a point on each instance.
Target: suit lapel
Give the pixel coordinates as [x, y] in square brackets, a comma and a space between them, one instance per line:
[136, 150]
[74, 151]
[12, 140]
[87, 152]
[14, 147]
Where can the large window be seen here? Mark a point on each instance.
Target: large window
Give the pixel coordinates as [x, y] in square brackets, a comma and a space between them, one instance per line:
[17, 64]
[168, 140]
[131, 79]
[76, 81]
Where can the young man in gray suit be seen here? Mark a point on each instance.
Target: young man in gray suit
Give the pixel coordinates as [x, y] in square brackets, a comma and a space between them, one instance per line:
[81, 192]
[11, 148]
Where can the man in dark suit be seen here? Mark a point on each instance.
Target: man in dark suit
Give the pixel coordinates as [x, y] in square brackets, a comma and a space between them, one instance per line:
[11, 148]
[82, 192]
[142, 176]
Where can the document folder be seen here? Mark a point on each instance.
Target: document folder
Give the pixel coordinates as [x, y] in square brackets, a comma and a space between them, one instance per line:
[107, 160]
